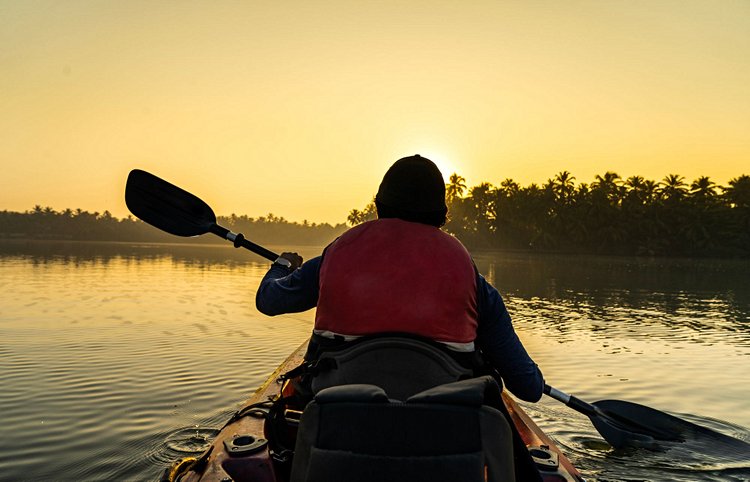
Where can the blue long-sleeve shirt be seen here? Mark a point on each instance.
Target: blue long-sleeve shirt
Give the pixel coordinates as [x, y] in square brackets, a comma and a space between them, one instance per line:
[284, 291]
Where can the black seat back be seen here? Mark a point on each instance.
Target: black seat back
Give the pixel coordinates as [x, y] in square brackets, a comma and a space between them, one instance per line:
[400, 366]
[445, 434]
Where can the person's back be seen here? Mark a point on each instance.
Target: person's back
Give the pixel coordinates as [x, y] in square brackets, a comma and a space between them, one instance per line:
[392, 275]
[401, 273]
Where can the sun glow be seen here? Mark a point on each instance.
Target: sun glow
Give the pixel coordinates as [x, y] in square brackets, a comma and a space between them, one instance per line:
[299, 110]
[444, 162]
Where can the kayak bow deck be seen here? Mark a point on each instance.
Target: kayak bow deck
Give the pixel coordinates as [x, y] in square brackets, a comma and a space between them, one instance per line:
[241, 450]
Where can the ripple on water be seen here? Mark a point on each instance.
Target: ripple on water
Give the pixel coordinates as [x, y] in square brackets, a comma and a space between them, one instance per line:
[188, 440]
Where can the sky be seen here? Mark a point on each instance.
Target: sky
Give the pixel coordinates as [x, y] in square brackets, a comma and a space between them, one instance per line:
[298, 108]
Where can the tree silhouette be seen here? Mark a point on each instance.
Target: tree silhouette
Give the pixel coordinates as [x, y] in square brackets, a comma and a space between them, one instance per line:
[674, 187]
[78, 225]
[455, 187]
[563, 186]
[703, 188]
[738, 192]
[367, 214]
[636, 217]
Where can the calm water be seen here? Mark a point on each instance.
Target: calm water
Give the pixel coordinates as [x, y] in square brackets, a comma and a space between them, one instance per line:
[117, 359]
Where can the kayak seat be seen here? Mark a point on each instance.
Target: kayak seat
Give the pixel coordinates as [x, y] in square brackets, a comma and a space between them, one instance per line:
[444, 434]
[399, 365]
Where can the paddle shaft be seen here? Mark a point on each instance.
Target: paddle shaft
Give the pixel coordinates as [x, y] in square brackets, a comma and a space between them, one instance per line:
[571, 401]
[241, 242]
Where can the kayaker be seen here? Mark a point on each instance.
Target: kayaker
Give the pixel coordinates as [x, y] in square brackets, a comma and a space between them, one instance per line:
[401, 273]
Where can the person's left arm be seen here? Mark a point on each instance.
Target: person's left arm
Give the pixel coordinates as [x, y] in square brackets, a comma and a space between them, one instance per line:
[500, 343]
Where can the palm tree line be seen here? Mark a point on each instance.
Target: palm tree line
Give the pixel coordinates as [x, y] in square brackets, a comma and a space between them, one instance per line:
[611, 215]
[79, 225]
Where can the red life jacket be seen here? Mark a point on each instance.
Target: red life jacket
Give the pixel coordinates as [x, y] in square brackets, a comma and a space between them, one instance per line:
[391, 275]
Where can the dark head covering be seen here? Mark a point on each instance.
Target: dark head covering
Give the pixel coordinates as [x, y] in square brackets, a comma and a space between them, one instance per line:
[413, 189]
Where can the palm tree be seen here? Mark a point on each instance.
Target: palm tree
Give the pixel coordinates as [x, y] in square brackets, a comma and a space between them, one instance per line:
[563, 186]
[369, 213]
[609, 185]
[738, 192]
[509, 186]
[636, 185]
[355, 217]
[650, 190]
[703, 187]
[610, 179]
[481, 198]
[635, 182]
[482, 206]
[674, 187]
[738, 197]
[455, 187]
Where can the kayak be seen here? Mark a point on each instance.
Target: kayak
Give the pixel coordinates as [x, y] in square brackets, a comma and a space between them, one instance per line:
[247, 449]
[240, 452]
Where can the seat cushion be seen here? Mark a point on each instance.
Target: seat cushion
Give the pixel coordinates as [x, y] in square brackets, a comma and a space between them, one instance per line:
[355, 433]
[339, 465]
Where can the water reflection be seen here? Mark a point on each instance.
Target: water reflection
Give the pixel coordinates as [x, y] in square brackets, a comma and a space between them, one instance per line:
[192, 252]
[109, 349]
[121, 355]
[672, 334]
[696, 299]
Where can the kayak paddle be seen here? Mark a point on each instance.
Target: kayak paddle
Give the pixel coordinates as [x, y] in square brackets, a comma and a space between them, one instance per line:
[176, 211]
[622, 423]
[628, 424]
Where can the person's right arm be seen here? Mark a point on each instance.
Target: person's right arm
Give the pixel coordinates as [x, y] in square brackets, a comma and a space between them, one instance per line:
[285, 290]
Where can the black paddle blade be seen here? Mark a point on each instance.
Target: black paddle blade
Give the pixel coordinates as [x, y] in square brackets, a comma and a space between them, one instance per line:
[628, 424]
[166, 206]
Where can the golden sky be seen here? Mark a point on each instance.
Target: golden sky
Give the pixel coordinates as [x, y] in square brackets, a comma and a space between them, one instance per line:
[299, 107]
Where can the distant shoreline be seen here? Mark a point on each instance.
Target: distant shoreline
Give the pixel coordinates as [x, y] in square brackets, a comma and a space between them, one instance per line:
[201, 247]
[190, 242]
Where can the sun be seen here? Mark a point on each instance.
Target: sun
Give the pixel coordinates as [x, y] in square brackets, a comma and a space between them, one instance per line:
[444, 162]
